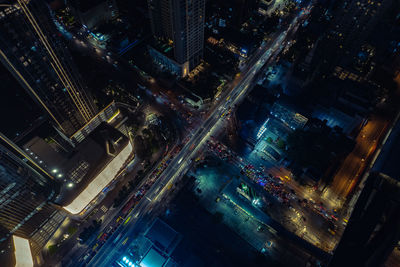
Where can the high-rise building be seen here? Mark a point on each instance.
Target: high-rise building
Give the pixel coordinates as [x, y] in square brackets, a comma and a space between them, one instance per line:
[182, 23]
[373, 229]
[32, 51]
[26, 192]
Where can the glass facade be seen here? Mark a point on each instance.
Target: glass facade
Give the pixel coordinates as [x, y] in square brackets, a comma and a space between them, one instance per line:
[25, 193]
[182, 22]
[31, 50]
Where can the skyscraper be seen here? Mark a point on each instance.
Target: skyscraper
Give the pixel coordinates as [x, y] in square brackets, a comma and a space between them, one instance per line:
[25, 194]
[373, 229]
[31, 50]
[182, 22]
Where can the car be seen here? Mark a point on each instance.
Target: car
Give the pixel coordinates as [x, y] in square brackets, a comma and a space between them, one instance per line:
[110, 228]
[332, 232]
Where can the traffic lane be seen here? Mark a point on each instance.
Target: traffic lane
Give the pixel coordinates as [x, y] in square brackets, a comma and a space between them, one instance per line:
[347, 174]
[109, 214]
[317, 223]
[110, 251]
[202, 140]
[141, 184]
[158, 188]
[170, 175]
[300, 191]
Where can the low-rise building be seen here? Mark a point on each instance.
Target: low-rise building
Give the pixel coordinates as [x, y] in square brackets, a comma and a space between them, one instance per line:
[92, 13]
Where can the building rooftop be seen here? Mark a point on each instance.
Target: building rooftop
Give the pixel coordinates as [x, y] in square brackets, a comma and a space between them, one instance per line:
[163, 47]
[23, 254]
[163, 236]
[292, 119]
[153, 258]
[94, 164]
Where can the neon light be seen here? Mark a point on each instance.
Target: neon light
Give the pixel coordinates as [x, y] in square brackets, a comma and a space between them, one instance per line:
[126, 48]
[262, 129]
[99, 182]
[113, 116]
[23, 254]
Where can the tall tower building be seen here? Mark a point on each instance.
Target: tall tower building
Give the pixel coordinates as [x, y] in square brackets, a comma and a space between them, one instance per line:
[31, 50]
[373, 229]
[181, 22]
[26, 192]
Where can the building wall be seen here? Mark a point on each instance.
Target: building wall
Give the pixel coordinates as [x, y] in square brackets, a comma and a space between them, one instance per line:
[31, 50]
[374, 226]
[25, 194]
[166, 62]
[102, 116]
[160, 18]
[182, 22]
[188, 18]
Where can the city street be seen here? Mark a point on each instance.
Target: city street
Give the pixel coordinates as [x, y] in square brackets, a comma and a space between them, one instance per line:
[290, 208]
[182, 162]
[216, 187]
[354, 165]
[200, 133]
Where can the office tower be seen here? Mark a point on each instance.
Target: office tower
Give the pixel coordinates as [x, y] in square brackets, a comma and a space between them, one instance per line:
[182, 23]
[32, 51]
[25, 195]
[374, 226]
